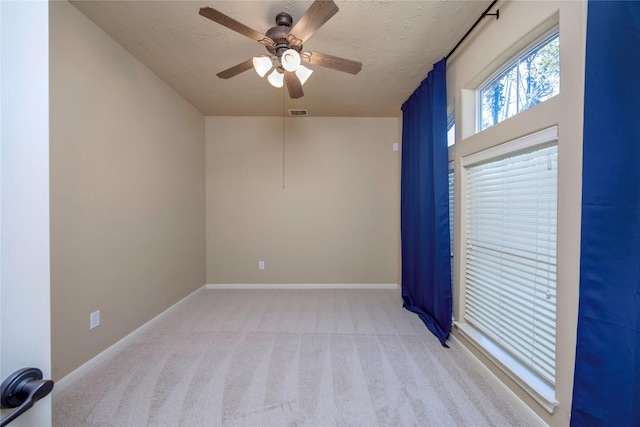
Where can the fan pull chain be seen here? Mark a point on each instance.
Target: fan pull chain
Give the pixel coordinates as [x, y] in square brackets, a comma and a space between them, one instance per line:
[283, 137]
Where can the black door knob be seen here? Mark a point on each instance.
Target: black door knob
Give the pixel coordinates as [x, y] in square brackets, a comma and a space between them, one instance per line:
[23, 388]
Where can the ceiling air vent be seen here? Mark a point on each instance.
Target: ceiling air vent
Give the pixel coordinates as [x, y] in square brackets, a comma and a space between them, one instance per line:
[298, 113]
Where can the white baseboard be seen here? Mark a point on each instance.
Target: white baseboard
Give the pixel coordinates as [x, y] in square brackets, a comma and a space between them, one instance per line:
[112, 350]
[302, 286]
[517, 403]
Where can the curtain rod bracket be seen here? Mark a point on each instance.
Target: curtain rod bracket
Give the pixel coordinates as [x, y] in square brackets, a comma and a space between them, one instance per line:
[497, 14]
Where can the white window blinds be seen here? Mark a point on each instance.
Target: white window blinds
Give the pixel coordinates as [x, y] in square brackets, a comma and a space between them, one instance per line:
[510, 273]
[451, 199]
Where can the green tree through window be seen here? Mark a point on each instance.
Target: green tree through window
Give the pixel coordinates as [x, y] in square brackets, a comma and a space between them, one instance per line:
[531, 79]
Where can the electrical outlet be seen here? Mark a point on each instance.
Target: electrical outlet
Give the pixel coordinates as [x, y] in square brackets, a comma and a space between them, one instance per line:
[261, 265]
[94, 320]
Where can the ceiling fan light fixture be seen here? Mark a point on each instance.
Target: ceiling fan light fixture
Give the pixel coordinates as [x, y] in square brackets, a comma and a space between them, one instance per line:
[276, 78]
[290, 60]
[303, 73]
[284, 44]
[262, 64]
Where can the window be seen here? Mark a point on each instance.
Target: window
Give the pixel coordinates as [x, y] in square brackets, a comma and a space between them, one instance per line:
[510, 268]
[530, 79]
[451, 130]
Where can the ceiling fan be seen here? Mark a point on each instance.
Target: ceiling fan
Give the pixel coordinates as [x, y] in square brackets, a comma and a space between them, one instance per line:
[284, 45]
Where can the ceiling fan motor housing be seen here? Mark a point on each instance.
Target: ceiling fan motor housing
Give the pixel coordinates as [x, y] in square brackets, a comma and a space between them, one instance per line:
[279, 34]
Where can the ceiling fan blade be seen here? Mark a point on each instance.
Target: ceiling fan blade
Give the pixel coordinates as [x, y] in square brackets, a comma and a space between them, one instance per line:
[315, 17]
[231, 23]
[333, 62]
[293, 84]
[234, 71]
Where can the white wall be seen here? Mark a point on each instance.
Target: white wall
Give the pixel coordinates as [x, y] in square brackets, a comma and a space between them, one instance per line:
[490, 46]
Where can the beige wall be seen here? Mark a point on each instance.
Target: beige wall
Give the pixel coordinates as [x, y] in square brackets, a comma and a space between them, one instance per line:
[127, 191]
[489, 47]
[335, 220]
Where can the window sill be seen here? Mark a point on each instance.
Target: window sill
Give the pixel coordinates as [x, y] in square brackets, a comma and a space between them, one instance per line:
[539, 389]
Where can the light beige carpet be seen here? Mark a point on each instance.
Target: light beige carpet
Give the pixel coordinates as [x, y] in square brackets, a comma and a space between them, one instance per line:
[285, 358]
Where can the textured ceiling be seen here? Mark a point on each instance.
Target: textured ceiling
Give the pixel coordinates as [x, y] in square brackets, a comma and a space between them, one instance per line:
[396, 41]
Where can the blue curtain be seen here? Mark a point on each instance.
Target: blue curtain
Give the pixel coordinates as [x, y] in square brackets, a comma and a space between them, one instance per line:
[424, 216]
[606, 389]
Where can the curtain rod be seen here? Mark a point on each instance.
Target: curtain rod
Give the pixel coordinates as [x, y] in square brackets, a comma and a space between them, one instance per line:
[484, 14]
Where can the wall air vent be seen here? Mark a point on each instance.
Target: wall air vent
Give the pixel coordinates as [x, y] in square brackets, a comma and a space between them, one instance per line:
[298, 113]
